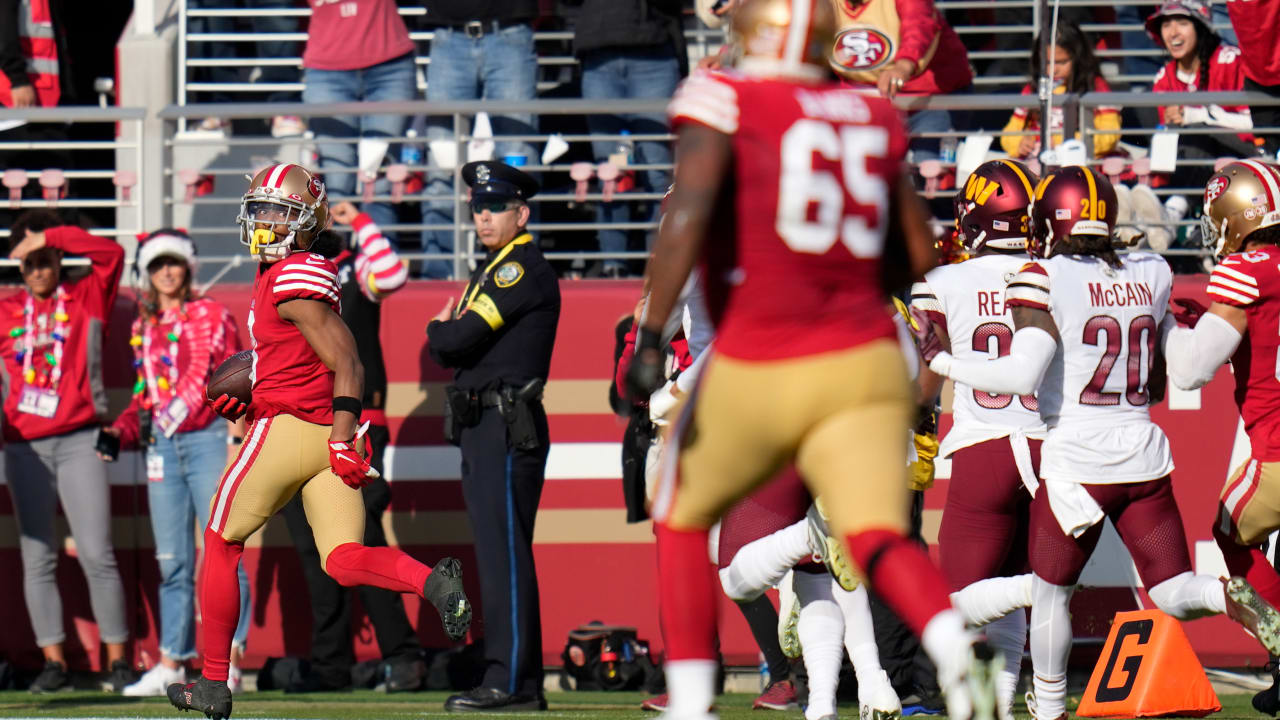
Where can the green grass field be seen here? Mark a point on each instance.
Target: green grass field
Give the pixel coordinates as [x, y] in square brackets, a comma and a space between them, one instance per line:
[427, 705]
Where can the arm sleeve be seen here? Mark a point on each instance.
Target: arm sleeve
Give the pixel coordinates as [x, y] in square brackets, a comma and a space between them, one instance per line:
[921, 24]
[1193, 355]
[1232, 287]
[306, 279]
[704, 99]
[1104, 143]
[624, 362]
[128, 424]
[379, 270]
[12, 63]
[1009, 143]
[923, 298]
[106, 258]
[1019, 372]
[207, 344]
[448, 340]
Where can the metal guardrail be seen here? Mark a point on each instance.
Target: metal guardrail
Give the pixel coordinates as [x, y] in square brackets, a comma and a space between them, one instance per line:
[170, 146]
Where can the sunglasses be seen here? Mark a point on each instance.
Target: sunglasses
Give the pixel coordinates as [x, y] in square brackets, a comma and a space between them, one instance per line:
[494, 207]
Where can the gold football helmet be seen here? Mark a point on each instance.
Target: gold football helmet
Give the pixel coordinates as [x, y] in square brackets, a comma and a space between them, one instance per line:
[283, 195]
[783, 37]
[1240, 198]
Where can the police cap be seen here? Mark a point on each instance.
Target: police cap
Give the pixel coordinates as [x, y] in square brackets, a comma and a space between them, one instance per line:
[492, 181]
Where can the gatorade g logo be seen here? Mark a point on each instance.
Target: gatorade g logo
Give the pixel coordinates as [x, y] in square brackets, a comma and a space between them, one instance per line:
[979, 189]
[1107, 691]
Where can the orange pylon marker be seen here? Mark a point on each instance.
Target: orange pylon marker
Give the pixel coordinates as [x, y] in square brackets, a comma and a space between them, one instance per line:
[1147, 669]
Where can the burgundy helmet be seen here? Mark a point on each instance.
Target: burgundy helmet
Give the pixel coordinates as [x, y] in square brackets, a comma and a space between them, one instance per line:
[991, 208]
[1072, 200]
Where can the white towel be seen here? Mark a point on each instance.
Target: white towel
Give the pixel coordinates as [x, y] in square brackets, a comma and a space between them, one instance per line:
[1074, 508]
[1022, 459]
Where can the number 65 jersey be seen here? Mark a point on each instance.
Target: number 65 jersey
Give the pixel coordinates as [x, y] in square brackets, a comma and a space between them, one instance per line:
[793, 259]
[1094, 395]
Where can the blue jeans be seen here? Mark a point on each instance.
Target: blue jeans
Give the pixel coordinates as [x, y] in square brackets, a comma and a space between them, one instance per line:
[391, 80]
[499, 65]
[193, 463]
[227, 50]
[608, 74]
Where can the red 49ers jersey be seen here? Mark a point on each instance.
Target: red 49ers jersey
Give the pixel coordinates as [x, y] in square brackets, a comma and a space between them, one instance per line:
[793, 261]
[288, 376]
[1250, 280]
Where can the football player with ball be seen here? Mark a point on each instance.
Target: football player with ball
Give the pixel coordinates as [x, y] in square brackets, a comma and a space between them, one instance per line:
[299, 390]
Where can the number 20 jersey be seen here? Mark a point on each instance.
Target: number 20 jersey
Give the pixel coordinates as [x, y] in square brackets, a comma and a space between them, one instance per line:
[793, 258]
[968, 300]
[1250, 281]
[1094, 395]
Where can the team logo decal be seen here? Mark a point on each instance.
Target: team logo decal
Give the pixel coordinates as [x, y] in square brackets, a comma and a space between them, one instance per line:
[1215, 188]
[862, 48]
[1062, 214]
[315, 187]
[509, 274]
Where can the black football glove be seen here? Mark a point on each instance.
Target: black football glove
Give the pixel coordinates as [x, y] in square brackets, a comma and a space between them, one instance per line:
[645, 374]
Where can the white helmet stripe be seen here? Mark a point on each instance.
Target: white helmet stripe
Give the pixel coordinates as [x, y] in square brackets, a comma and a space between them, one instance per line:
[1268, 177]
[798, 31]
[276, 177]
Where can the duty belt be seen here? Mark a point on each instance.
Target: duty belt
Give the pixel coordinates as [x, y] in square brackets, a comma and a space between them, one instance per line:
[490, 398]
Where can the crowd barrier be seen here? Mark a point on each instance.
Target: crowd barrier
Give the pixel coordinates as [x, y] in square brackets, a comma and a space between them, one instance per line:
[591, 564]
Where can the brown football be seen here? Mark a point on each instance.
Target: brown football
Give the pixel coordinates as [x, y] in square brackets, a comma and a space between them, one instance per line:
[232, 378]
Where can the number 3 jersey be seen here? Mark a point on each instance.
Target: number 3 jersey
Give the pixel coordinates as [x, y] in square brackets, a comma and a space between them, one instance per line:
[968, 300]
[1250, 281]
[1094, 395]
[793, 258]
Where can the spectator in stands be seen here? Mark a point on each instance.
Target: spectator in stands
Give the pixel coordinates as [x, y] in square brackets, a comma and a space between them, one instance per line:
[629, 49]
[178, 339]
[380, 67]
[53, 399]
[1201, 62]
[482, 49]
[1257, 26]
[281, 125]
[29, 77]
[1073, 68]
[927, 59]
[368, 271]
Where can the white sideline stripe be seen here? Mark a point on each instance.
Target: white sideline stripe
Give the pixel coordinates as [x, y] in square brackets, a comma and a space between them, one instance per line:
[567, 461]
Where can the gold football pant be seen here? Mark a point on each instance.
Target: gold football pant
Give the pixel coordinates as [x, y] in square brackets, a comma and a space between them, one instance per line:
[279, 455]
[842, 416]
[1249, 507]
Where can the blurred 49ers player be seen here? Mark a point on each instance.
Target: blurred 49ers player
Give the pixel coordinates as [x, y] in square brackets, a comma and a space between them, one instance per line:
[800, 182]
[1241, 224]
[1088, 324]
[994, 443]
[307, 381]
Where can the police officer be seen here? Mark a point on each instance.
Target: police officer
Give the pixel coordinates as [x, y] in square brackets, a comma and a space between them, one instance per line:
[498, 340]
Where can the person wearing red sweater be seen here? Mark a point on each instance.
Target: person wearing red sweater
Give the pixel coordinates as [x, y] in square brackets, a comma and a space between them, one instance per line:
[1257, 24]
[178, 339]
[51, 380]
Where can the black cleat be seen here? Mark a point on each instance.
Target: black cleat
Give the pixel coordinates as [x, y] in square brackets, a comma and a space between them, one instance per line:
[210, 697]
[1267, 702]
[443, 589]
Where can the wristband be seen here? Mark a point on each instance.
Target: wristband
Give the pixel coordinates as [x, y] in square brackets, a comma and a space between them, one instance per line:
[647, 339]
[348, 403]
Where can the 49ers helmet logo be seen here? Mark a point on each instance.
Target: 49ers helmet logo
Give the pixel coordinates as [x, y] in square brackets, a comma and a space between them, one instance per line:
[316, 187]
[862, 48]
[1216, 187]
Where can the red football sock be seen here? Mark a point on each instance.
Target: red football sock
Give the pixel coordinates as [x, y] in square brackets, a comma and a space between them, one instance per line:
[687, 594]
[355, 564]
[218, 591]
[1252, 565]
[899, 571]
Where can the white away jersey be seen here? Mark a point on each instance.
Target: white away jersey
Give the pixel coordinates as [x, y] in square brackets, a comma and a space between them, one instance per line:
[1094, 395]
[968, 300]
